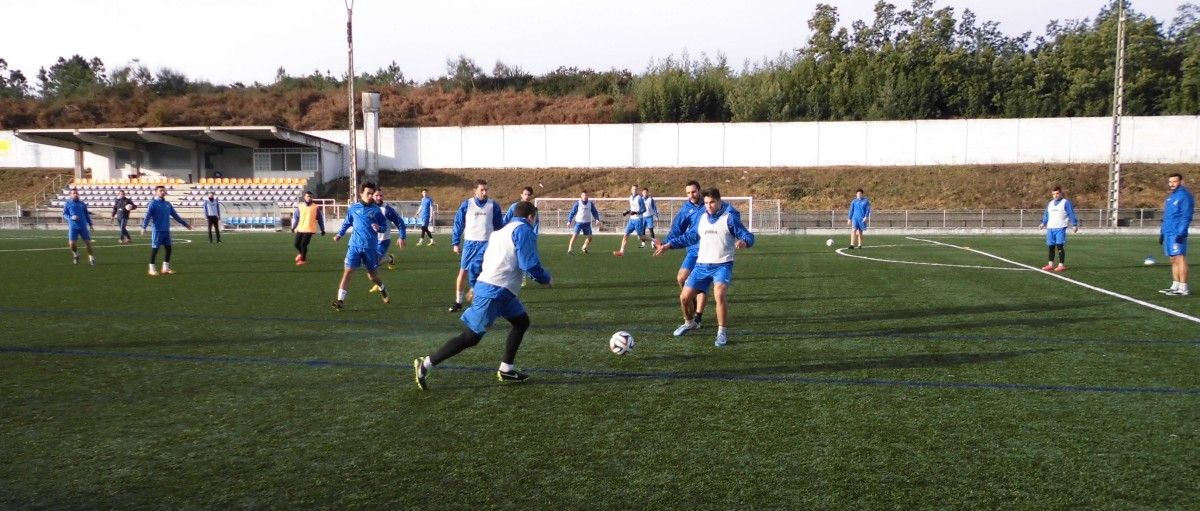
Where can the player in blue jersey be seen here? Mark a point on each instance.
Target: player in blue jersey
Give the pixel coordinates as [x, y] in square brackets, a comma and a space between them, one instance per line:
[637, 208]
[717, 233]
[526, 196]
[160, 212]
[1177, 218]
[367, 220]
[511, 251]
[858, 218]
[424, 216]
[684, 219]
[79, 223]
[580, 219]
[385, 237]
[474, 222]
[1060, 214]
[649, 217]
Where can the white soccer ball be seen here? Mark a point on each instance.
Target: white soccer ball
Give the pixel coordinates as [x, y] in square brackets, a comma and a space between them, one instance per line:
[1149, 261]
[621, 343]
[129, 207]
[829, 242]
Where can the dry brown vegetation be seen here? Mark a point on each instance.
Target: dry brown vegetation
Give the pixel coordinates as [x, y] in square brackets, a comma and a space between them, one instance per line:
[312, 110]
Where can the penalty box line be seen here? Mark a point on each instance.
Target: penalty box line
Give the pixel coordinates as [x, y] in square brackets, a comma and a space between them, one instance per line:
[1113, 294]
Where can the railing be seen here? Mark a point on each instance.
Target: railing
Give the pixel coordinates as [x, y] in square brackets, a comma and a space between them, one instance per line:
[50, 191]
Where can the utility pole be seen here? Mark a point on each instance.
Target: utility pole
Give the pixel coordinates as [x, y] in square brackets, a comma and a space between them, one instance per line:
[350, 99]
[1118, 103]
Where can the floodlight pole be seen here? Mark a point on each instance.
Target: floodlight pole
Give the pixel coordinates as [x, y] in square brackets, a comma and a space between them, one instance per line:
[1114, 160]
[350, 99]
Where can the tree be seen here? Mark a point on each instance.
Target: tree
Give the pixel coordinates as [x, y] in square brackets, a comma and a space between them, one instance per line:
[14, 85]
[74, 77]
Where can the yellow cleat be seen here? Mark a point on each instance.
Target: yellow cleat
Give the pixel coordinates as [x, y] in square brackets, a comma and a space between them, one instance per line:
[374, 289]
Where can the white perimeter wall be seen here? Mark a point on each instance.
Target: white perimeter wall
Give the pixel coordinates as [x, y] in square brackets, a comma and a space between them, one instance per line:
[1171, 139]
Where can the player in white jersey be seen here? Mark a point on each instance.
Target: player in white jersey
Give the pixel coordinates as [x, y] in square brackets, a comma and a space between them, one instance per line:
[477, 217]
[1059, 214]
[637, 208]
[511, 252]
[582, 214]
[649, 217]
[718, 232]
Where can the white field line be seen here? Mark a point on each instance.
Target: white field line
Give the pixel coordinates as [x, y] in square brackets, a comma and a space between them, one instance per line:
[1072, 281]
[842, 251]
[81, 245]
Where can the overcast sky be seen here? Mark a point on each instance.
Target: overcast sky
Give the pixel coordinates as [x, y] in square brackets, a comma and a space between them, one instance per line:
[226, 41]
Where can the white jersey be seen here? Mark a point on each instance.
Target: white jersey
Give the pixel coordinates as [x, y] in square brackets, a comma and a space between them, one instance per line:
[716, 240]
[633, 205]
[583, 212]
[1056, 215]
[477, 225]
[649, 214]
[500, 266]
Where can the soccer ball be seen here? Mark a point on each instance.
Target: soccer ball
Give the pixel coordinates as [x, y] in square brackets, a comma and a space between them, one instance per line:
[129, 207]
[1149, 261]
[829, 242]
[621, 343]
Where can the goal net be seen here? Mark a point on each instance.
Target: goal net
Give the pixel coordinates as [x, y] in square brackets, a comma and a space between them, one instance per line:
[10, 214]
[757, 215]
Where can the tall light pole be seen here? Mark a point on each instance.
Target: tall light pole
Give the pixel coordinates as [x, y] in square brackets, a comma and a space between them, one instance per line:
[1118, 104]
[350, 98]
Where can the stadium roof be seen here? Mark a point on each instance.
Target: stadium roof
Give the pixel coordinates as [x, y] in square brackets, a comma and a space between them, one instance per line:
[187, 137]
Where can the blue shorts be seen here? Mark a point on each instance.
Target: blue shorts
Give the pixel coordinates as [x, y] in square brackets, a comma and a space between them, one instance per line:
[384, 245]
[1172, 249]
[362, 257]
[635, 225]
[484, 311]
[860, 224]
[1056, 236]
[74, 233]
[705, 274]
[585, 228]
[648, 224]
[689, 259]
[160, 238]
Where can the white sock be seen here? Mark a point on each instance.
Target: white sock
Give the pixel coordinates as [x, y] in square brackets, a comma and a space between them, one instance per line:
[151, 266]
[508, 368]
[1174, 285]
[720, 330]
[458, 297]
[166, 266]
[1183, 286]
[426, 363]
[74, 253]
[341, 294]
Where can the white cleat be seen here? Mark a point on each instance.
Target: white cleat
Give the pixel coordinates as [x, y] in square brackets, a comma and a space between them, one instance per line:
[722, 340]
[1179, 292]
[683, 329]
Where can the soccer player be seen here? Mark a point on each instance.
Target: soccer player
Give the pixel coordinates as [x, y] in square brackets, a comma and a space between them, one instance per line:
[475, 221]
[684, 219]
[582, 214]
[424, 215]
[385, 237]
[511, 251]
[363, 250]
[649, 216]
[1059, 214]
[637, 208]
[858, 218]
[717, 233]
[212, 211]
[160, 212]
[79, 222]
[1177, 217]
[121, 208]
[526, 196]
[306, 219]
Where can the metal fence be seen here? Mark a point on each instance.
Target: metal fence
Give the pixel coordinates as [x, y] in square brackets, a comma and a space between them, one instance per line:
[949, 219]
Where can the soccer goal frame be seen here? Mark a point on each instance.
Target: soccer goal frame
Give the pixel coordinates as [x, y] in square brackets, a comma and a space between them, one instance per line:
[552, 212]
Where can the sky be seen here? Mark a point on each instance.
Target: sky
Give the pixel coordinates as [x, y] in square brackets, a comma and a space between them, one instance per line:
[227, 41]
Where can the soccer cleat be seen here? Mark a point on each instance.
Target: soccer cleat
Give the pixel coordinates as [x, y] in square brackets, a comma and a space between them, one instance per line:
[420, 242]
[570, 252]
[431, 242]
[74, 259]
[722, 340]
[338, 304]
[384, 295]
[1060, 268]
[1168, 290]
[643, 245]
[1178, 292]
[92, 260]
[455, 307]
[1048, 267]
[683, 329]
[420, 372]
[391, 267]
[619, 253]
[301, 262]
[152, 272]
[167, 271]
[513, 376]
[585, 251]
[374, 289]
[299, 258]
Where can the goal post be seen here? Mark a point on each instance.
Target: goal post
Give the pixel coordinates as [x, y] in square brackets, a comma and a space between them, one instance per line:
[552, 213]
